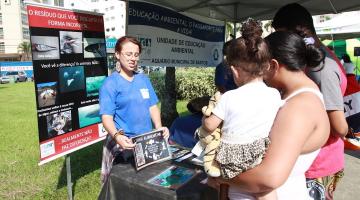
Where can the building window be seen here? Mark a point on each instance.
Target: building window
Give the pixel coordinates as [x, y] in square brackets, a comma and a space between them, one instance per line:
[1, 33]
[26, 33]
[2, 47]
[0, 18]
[107, 30]
[112, 8]
[113, 28]
[7, 2]
[24, 18]
[112, 17]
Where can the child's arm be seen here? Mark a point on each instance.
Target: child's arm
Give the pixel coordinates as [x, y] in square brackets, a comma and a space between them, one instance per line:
[211, 123]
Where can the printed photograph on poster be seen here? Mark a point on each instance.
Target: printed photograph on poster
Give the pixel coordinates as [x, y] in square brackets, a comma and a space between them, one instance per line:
[70, 42]
[45, 47]
[46, 94]
[89, 115]
[93, 85]
[71, 79]
[150, 148]
[94, 48]
[59, 123]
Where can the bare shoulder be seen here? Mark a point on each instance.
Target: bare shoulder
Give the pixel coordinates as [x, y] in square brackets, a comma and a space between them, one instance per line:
[303, 112]
[305, 102]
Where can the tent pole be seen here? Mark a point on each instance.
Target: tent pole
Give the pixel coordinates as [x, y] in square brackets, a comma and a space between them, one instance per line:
[332, 6]
[333, 42]
[235, 18]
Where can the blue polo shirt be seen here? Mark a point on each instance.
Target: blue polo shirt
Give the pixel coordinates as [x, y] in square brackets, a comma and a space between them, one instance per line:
[128, 102]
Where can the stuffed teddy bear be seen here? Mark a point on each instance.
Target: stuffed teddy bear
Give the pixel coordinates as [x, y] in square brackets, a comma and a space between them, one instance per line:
[210, 142]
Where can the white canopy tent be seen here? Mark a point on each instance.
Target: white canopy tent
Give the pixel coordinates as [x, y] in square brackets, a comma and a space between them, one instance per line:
[345, 25]
[238, 10]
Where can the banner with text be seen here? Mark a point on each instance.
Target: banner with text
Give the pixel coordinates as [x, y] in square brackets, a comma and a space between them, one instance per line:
[170, 38]
[69, 63]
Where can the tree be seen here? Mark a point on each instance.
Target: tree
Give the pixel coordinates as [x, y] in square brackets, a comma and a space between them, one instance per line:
[168, 103]
[229, 30]
[25, 49]
[268, 26]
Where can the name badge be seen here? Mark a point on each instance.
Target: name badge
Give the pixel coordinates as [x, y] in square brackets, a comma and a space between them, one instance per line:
[145, 93]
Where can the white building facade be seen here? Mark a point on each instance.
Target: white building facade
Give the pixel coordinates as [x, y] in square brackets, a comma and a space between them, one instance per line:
[114, 14]
[14, 27]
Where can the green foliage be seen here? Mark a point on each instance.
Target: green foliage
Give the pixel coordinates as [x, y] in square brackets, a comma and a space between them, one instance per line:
[194, 82]
[191, 82]
[158, 82]
[25, 49]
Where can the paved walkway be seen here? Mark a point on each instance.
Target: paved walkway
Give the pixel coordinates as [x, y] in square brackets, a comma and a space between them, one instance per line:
[349, 187]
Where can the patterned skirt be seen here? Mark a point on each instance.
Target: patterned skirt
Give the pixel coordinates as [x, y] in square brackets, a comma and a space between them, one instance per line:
[237, 158]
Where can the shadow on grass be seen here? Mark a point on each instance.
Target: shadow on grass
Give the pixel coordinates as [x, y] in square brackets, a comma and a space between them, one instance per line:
[355, 154]
[82, 162]
[3, 87]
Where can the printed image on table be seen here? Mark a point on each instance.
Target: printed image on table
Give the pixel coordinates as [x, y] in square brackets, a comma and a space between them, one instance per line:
[93, 85]
[70, 42]
[59, 123]
[89, 115]
[94, 48]
[71, 79]
[46, 94]
[44, 47]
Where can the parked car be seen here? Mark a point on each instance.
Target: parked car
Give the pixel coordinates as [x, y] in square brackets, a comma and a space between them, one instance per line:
[4, 79]
[17, 76]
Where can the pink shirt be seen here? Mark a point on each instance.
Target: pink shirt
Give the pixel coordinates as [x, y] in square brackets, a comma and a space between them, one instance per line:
[331, 157]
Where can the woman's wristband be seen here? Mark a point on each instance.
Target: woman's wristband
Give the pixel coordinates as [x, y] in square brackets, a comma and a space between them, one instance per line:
[119, 132]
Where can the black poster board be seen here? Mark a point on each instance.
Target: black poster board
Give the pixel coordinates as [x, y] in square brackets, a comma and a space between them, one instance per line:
[150, 148]
[69, 62]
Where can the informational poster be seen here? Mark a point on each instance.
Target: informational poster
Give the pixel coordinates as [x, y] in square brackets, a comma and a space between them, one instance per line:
[69, 63]
[150, 148]
[170, 38]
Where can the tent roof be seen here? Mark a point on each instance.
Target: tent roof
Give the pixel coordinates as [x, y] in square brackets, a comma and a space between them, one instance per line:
[238, 10]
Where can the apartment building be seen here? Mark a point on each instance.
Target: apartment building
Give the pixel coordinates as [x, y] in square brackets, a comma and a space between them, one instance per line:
[114, 14]
[14, 27]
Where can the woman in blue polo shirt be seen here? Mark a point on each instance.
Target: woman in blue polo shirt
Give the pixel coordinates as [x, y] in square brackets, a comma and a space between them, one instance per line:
[128, 105]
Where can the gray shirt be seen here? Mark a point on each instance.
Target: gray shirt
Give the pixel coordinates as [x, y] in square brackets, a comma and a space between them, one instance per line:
[328, 80]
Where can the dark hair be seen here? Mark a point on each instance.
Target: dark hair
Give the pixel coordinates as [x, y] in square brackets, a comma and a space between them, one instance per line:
[124, 39]
[195, 105]
[346, 58]
[292, 16]
[225, 47]
[249, 52]
[290, 49]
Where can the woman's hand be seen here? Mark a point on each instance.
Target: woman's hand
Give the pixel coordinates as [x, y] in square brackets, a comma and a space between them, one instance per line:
[166, 132]
[124, 142]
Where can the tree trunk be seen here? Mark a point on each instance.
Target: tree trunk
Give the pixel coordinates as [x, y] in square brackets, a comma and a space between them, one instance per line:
[168, 103]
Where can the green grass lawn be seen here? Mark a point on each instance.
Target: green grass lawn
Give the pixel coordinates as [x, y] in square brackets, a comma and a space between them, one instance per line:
[20, 175]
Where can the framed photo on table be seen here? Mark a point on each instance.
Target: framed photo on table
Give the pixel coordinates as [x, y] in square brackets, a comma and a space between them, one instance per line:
[150, 148]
